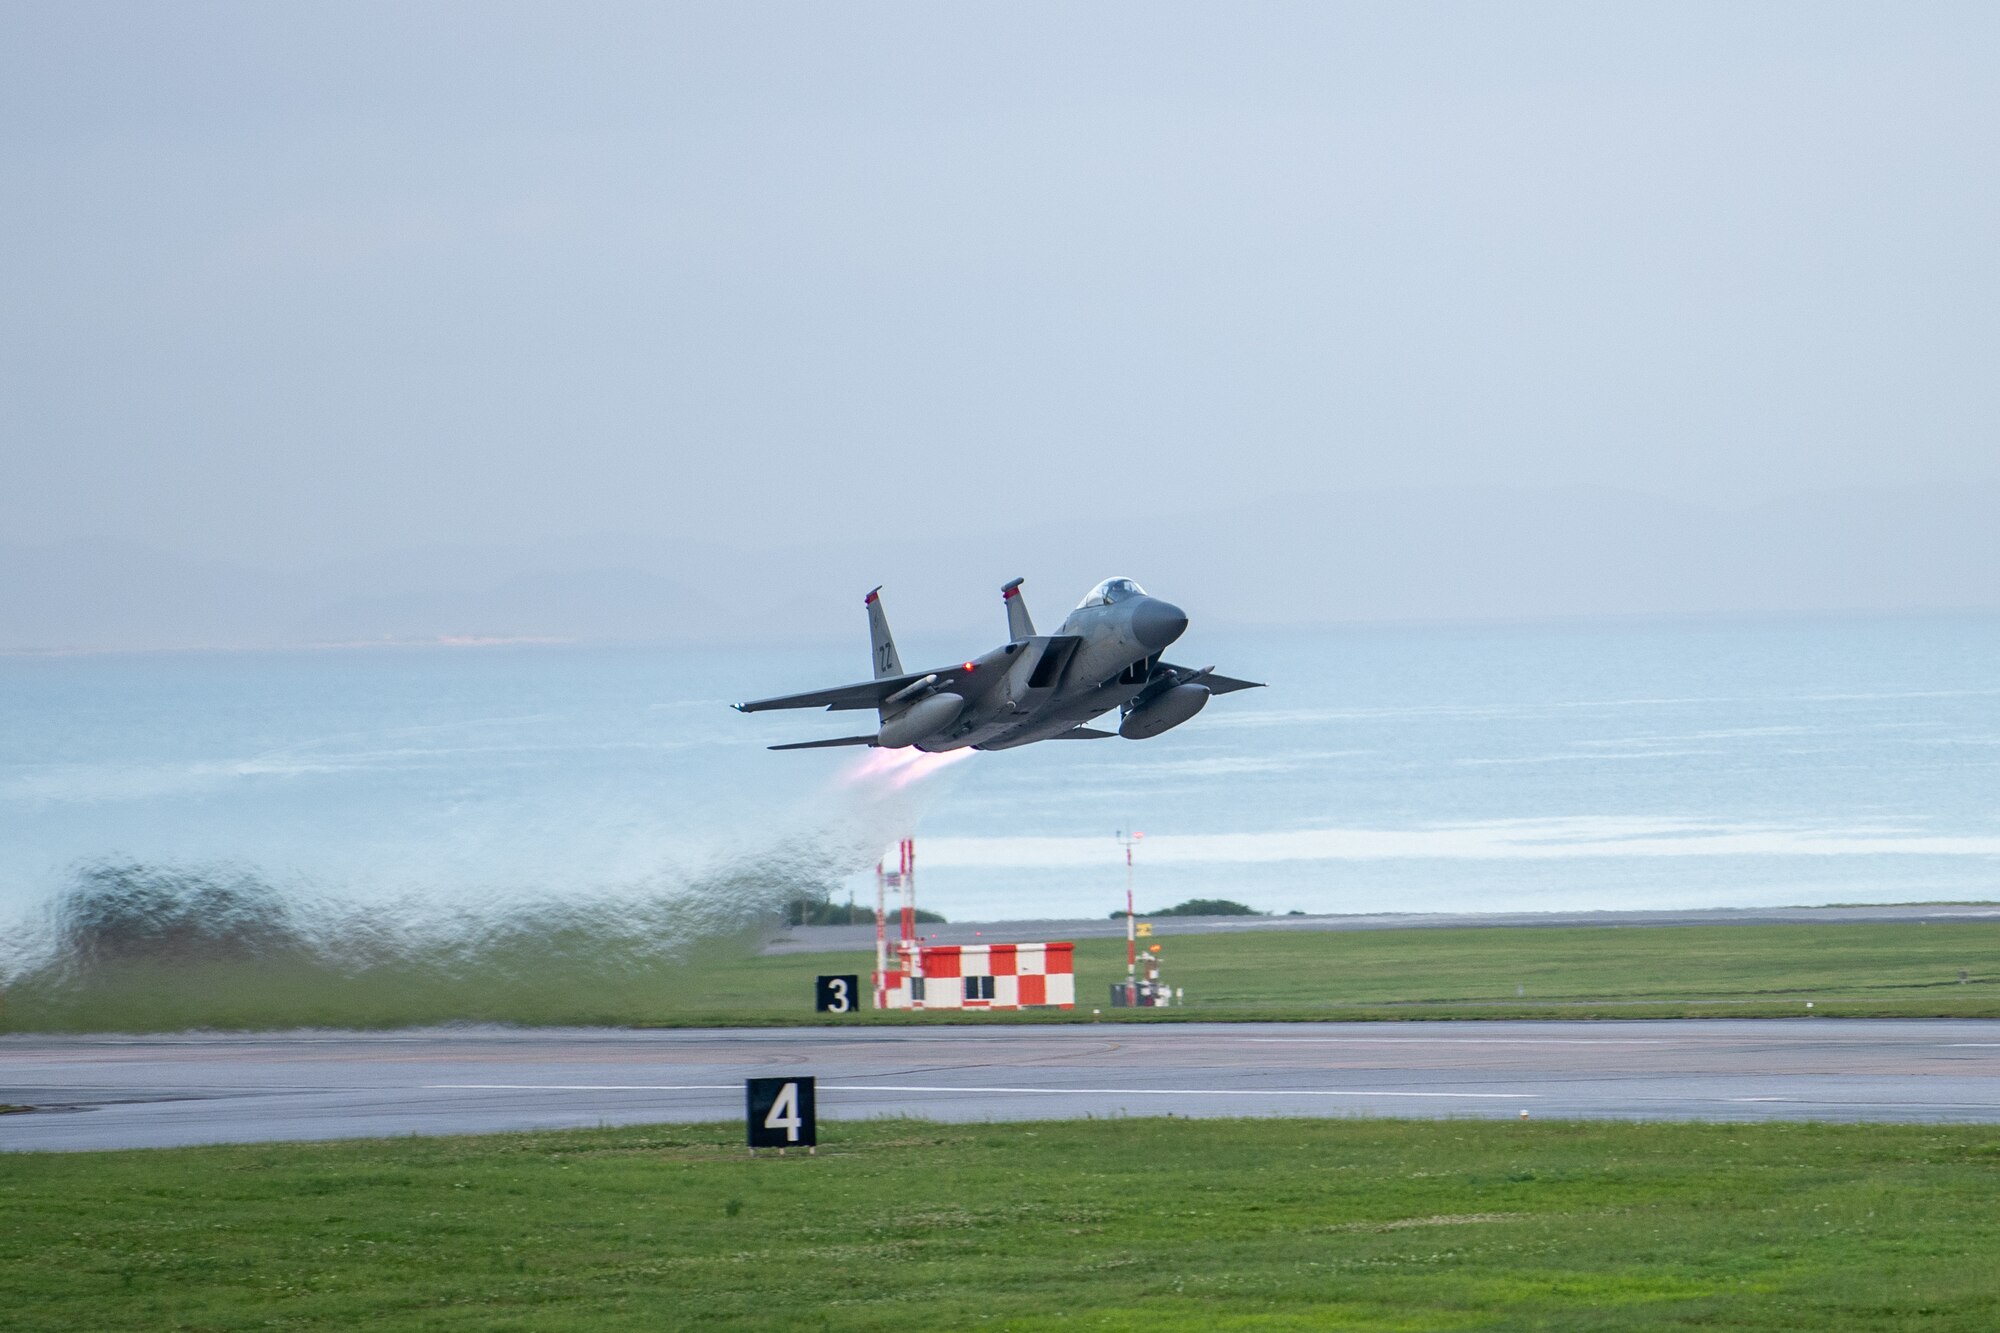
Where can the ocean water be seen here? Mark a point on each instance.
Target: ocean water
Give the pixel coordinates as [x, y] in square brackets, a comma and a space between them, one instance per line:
[1385, 769]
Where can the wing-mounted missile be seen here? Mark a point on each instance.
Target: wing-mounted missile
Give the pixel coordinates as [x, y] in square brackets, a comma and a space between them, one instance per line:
[916, 711]
[1217, 684]
[1164, 676]
[1019, 624]
[915, 689]
[930, 704]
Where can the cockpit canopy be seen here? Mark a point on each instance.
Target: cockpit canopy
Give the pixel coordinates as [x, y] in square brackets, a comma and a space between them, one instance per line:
[1109, 591]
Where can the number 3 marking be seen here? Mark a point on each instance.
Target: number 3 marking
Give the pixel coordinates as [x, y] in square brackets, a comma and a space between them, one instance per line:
[838, 1004]
[784, 1112]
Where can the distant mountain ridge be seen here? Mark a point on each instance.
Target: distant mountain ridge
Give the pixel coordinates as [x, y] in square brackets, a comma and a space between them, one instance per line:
[1298, 559]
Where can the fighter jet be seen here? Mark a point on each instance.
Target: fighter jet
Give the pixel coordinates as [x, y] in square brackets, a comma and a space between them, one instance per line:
[1035, 687]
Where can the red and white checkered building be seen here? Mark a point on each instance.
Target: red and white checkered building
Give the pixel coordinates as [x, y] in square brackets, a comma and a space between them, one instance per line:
[982, 976]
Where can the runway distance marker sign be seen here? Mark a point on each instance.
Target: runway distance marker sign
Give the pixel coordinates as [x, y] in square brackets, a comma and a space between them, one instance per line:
[780, 1112]
[836, 995]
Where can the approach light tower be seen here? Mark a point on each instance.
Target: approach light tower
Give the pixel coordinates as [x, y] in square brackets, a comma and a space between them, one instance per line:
[1128, 841]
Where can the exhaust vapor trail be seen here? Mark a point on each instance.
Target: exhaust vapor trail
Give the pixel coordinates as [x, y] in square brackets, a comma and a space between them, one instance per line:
[897, 769]
[135, 946]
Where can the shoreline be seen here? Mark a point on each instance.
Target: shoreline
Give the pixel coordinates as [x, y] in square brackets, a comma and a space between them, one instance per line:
[841, 939]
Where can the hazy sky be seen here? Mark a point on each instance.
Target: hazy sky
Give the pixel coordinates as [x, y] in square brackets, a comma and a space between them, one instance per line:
[287, 282]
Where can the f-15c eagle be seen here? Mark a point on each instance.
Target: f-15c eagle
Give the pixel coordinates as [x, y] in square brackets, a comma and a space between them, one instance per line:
[1035, 687]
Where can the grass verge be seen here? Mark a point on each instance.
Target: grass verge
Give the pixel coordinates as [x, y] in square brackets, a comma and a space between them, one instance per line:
[1858, 970]
[1850, 971]
[1154, 1224]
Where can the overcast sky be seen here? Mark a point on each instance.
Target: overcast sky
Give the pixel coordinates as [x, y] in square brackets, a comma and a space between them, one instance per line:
[290, 282]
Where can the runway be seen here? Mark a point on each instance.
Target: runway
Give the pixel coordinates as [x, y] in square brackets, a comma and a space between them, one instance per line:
[99, 1092]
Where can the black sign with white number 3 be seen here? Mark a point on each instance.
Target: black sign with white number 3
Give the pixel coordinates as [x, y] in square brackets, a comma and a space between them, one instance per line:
[837, 995]
[779, 1112]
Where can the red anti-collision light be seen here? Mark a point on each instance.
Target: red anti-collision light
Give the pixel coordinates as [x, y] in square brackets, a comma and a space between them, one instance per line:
[968, 666]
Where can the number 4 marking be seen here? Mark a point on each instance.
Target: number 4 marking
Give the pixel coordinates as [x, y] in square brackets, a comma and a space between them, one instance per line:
[784, 1112]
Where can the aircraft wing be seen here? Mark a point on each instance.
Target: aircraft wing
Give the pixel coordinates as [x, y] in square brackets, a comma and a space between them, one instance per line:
[866, 694]
[1216, 683]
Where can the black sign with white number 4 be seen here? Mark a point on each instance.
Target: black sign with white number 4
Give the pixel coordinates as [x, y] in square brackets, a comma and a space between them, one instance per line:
[837, 995]
[779, 1112]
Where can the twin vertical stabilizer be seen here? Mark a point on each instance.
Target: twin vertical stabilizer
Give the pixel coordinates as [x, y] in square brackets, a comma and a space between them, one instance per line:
[887, 663]
[1019, 626]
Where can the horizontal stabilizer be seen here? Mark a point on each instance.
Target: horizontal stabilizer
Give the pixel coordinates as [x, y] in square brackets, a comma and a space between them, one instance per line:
[1083, 734]
[825, 745]
[865, 694]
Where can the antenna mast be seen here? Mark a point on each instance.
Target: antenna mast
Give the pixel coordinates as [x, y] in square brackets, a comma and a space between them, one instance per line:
[1127, 841]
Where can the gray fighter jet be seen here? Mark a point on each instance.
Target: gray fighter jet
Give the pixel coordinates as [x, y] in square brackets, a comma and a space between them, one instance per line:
[1035, 687]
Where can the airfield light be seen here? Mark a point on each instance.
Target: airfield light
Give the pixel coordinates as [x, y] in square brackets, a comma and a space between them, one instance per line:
[1128, 840]
[904, 880]
[881, 937]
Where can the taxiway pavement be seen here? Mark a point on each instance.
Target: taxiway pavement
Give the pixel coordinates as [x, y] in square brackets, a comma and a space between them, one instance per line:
[99, 1092]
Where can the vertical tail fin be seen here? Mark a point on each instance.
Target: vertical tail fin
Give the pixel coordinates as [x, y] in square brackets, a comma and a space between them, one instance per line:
[887, 663]
[1019, 625]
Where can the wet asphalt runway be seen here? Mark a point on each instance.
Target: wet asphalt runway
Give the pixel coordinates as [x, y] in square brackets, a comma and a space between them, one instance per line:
[100, 1092]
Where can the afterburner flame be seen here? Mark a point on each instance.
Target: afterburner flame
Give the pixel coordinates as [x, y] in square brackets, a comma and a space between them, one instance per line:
[897, 769]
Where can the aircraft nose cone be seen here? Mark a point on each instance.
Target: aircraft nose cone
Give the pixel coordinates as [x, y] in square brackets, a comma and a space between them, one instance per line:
[1156, 623]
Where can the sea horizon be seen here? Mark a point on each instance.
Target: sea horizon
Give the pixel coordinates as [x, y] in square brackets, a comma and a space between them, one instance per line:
[1668, 762]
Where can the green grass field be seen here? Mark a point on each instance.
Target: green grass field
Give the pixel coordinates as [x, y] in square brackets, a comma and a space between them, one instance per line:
[1670, 971]
[1139, 1224]
[1897, 970]
[1597, 971]
[1906, 971]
